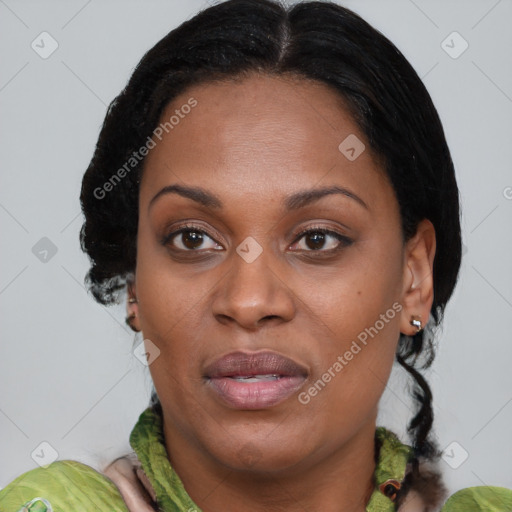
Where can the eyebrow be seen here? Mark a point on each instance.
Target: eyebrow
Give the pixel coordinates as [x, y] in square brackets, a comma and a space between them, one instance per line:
[293, 202]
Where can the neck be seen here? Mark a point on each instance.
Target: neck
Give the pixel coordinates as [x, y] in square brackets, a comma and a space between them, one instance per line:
[340, 481]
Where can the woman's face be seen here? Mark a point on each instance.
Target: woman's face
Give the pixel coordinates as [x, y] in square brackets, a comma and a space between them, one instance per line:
[275, 345]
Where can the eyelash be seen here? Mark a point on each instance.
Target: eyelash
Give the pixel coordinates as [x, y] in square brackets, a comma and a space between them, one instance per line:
[344, 240]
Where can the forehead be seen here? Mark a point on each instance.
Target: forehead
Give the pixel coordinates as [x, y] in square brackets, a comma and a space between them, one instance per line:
[262, 134]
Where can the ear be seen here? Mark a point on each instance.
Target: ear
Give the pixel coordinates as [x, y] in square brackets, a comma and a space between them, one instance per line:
[132, 306]
[418, 282]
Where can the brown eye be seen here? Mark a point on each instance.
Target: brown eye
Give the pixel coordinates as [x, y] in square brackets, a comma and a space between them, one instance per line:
[321, 240]
[190, 239]
[315, 240]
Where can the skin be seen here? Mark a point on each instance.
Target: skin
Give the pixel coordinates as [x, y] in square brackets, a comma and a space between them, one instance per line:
[252, 143]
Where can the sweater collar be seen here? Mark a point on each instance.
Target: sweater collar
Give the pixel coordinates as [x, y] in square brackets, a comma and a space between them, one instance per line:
[147, 440]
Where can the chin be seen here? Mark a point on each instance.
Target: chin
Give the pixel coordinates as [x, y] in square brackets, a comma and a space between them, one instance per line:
[260, 453]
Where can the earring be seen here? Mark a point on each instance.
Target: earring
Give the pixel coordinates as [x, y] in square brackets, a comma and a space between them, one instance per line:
[416, 322]
[132, 301]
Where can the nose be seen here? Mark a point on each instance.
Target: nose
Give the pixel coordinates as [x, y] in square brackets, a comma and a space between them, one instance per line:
[253, 294]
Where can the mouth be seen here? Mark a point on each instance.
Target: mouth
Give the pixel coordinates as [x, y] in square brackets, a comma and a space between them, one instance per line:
[254, 381]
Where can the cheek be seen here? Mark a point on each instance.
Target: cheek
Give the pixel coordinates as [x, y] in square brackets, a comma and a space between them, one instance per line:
[169, 304]
[351, 375]
[351, 297]
[360, 309]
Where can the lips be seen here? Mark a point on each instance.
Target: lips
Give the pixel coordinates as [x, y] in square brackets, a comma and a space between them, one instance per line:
[254, 380]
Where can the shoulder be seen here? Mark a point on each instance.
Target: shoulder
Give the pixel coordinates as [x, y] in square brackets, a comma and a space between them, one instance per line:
[62, 485]
[480, 499]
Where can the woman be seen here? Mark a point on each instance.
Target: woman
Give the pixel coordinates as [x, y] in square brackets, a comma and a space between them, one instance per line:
[274, 191]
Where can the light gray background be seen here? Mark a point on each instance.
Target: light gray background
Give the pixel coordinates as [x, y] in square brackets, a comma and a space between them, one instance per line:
[67, 373]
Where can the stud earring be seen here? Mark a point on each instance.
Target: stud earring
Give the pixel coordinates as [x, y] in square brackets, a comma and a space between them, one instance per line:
[416, 322]
[132, 301]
